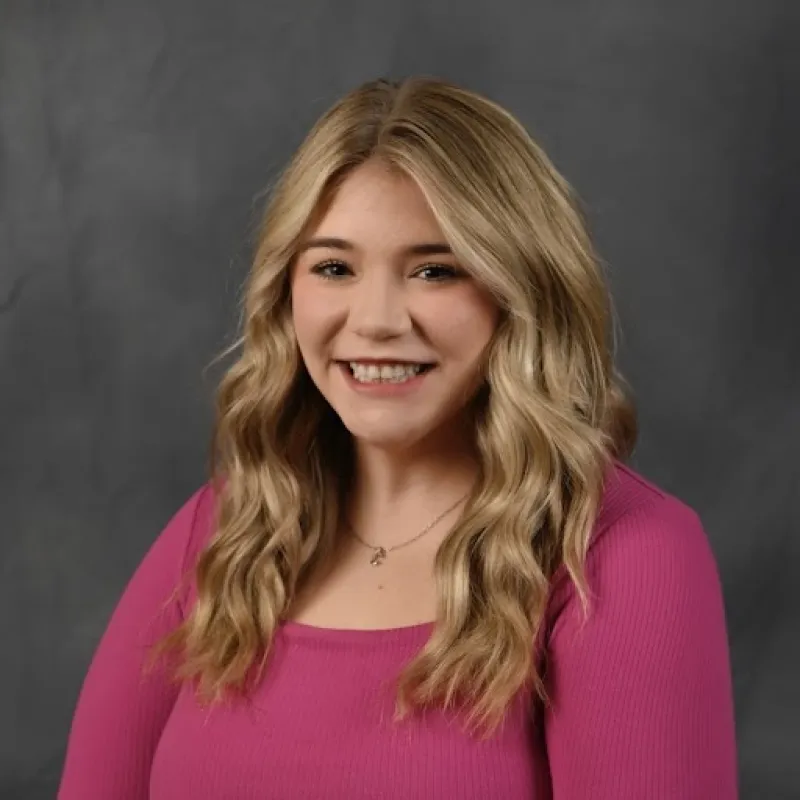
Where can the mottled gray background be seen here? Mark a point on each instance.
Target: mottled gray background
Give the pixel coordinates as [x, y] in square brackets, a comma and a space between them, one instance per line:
[136, 139]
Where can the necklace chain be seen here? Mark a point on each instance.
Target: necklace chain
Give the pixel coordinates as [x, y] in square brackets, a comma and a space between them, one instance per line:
[380, 553]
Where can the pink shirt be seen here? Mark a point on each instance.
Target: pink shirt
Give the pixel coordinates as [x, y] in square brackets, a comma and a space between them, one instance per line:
[642, 694]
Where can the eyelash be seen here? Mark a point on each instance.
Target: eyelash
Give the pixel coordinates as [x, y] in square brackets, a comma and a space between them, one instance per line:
[452, 272]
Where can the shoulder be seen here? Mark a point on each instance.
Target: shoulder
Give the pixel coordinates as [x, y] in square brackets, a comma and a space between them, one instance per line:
[637, 518]
[190, 525]
[629, 496]
[646, 546]
[202, 505]
[642, 681]
[186, 534]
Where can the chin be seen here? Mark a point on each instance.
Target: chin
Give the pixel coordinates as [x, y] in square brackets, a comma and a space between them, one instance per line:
[395, 430]
[387, 431]
[384, 439]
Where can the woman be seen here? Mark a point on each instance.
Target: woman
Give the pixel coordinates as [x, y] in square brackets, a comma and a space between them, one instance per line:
[420, 568]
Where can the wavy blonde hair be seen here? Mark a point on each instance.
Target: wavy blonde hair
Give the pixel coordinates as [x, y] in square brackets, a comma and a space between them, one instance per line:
[551, 416]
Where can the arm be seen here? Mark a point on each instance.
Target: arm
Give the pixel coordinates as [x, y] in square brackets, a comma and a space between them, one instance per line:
[120, 713]
[642, 698]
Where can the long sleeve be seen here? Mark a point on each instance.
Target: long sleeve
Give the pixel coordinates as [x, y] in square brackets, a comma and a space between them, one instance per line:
[120, 712]
[641, 693]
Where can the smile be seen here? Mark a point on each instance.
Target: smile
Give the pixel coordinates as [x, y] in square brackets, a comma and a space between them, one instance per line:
[385, 373]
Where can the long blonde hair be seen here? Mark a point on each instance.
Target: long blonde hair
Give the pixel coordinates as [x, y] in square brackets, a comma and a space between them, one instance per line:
[551, 416]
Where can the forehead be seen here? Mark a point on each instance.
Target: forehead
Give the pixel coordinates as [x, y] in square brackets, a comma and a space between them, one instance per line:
[377, 203]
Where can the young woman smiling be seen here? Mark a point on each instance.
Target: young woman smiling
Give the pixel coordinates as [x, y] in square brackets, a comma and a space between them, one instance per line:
[420, 567]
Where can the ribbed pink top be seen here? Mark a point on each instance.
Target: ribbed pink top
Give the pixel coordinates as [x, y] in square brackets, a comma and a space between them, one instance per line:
[642, 693]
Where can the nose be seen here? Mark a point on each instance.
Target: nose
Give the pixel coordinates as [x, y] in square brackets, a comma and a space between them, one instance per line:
[378, 306]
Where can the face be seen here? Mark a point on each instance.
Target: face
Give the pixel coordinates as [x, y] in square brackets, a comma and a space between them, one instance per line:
[392, 329]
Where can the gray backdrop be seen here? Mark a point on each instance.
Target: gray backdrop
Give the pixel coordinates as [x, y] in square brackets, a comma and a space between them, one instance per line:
[136, 139]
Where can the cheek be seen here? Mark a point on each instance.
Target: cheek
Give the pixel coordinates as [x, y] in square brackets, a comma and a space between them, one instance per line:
[311, 317]
[466, 325]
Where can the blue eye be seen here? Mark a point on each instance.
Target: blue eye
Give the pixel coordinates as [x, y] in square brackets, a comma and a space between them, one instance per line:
[330, 269]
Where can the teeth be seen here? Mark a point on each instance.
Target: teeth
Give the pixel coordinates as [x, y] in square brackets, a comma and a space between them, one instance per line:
[388, 373]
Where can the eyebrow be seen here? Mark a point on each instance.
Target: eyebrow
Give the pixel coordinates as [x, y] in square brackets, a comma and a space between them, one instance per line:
[334, 243]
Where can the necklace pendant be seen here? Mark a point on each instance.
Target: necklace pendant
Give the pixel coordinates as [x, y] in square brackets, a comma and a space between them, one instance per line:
[378, 557]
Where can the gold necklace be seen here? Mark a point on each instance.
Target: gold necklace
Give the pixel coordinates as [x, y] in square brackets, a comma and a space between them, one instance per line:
[379, 553]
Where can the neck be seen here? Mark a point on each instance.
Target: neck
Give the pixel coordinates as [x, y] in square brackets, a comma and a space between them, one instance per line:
[413, 485]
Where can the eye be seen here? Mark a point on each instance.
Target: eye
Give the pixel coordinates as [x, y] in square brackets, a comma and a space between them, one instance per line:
[331, 269]
[435, 273]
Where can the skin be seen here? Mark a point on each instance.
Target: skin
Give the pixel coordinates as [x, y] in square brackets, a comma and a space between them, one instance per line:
[369, 295]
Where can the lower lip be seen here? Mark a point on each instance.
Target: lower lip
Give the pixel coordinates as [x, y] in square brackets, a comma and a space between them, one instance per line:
[381, 388]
